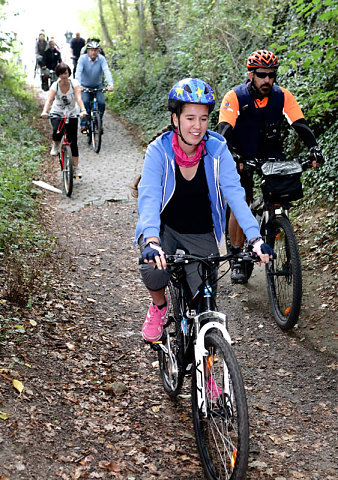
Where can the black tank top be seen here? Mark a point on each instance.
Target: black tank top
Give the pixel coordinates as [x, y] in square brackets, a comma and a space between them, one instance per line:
[188, 210]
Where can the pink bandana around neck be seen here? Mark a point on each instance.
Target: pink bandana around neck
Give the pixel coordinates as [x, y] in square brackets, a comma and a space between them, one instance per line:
[181, 157]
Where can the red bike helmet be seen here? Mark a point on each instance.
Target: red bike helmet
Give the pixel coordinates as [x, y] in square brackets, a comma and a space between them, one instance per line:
[262, 59]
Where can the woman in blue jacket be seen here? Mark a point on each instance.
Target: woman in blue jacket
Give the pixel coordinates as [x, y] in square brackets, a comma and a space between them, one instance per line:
[187, 177]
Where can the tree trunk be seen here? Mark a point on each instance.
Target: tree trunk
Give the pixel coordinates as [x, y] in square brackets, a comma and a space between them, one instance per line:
[139, 8]
[107, 39]
[156, 21]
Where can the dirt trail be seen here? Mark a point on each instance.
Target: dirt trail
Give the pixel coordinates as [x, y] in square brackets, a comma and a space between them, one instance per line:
[93, 405]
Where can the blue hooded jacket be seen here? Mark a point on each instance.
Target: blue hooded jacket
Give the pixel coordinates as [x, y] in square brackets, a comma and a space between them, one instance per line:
[157, 186]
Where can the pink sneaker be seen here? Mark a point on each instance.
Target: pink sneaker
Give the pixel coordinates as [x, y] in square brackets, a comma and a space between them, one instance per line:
[153, 326]
[213, 390]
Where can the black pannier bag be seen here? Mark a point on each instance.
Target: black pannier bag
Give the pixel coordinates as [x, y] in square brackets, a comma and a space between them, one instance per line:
[281, 181]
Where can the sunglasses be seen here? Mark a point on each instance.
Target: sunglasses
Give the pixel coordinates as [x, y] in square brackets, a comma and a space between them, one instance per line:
[265, 74]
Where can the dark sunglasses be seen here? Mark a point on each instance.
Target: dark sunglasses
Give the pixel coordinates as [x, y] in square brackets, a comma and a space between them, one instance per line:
[265, 74]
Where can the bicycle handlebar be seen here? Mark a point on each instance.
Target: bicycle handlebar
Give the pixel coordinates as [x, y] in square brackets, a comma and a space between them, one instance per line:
[210, 260]
[94, 90]
[256, 163]
[55, 115]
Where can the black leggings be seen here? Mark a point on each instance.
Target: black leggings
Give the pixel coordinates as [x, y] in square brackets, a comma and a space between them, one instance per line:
[71, 129]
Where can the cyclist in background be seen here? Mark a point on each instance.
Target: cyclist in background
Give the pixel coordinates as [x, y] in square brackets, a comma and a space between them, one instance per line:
[63, 96]
[187, 176]
[89, 72]
[250, 119]
[50, 59]
[69, 36]
[41, 46]
[76, 45]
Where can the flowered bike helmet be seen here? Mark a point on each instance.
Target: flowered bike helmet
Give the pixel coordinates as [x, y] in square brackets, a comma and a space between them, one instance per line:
[262, 59]
[191, 90]
[93, 44]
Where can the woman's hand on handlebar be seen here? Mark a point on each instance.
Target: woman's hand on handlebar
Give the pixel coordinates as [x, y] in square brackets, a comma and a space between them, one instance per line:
[44, 114]
[263, 250]
[154, 254]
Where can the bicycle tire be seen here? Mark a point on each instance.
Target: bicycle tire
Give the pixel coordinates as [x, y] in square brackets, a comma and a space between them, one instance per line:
[171, 364]
[67, 172]
[222, 436]
[284, 275]
[96, 132]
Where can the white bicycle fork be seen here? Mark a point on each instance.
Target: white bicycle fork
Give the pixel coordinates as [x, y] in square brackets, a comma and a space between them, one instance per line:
[201, 353]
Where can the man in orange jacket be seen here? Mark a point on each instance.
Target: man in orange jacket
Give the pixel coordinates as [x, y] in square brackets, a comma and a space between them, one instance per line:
[250, 118]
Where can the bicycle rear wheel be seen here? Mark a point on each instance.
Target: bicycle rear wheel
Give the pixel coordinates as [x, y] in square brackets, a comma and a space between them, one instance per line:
[67, 171]
[284, 275]
[171, 361]
[222, 435]
[96, 132]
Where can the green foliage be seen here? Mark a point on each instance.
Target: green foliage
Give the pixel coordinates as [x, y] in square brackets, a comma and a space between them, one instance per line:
[23, 243]
[210, 40]
[305, 39]
[322, 183]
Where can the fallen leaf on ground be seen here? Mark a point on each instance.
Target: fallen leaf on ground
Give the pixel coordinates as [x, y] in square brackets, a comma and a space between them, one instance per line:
[111, 466]
[18, 385]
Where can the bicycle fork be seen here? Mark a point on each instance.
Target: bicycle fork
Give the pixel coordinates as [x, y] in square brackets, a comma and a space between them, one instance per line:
[218, 323]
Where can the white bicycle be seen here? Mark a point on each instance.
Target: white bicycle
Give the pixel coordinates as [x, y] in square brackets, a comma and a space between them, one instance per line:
[196, 342]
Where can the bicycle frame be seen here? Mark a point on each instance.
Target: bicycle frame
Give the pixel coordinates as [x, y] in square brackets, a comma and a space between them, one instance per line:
[201, 324]
[66, 165]
[93, 102]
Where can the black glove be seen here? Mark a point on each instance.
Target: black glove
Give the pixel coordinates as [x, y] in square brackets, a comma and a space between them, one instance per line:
[260, 247]
[152, 250]
[316, 155]
[267, 249]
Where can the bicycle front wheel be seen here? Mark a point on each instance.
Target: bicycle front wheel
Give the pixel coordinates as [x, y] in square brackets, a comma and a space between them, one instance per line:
[96, 132]
[67, 171]
[222, 435]
[171, 360]
[284, 274]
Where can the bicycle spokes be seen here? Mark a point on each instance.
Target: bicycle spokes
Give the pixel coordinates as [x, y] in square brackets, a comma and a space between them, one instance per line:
[284, 277]
[220, 433]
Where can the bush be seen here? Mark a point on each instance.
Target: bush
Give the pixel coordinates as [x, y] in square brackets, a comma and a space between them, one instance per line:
[24, 245]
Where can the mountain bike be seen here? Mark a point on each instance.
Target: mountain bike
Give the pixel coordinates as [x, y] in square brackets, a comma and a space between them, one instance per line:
[280, 186]
[94, 127]
[65, 156]
[196, 342]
